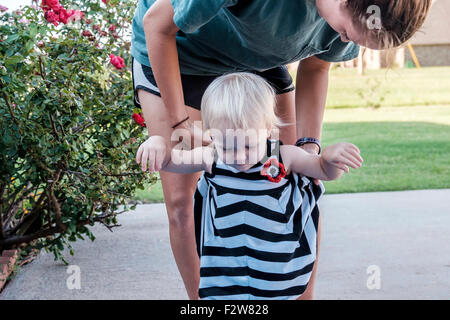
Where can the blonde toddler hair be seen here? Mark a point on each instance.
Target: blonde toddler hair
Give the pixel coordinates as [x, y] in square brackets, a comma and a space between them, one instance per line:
[242, 99]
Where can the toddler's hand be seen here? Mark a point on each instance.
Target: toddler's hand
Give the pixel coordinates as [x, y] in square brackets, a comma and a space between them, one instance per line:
[152, 150]
[341, 155]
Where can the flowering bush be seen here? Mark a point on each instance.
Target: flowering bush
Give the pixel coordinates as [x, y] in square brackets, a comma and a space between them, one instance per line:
[68, 138]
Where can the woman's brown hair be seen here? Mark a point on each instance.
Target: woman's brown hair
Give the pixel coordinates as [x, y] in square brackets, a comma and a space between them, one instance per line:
[400, 19]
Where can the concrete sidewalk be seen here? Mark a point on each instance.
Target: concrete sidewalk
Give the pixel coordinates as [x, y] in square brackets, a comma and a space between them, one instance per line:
[403, 235]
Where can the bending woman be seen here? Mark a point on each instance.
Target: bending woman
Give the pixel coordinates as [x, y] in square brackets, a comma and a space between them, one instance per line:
[180, 46]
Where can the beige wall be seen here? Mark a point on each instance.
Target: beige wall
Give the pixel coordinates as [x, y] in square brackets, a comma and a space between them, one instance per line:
[431, 55]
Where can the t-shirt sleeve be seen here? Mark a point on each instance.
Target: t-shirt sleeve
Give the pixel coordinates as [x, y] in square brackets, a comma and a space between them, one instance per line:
[189, 15]
[340, 51]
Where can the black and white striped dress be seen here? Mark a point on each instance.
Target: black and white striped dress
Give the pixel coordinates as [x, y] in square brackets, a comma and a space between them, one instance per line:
[256, 239]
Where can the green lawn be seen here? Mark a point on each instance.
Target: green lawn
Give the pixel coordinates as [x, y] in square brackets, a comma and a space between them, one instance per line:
[403, 148]
[389, 87]
[151, 193]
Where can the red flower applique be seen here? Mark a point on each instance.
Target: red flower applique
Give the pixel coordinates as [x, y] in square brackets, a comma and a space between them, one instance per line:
[273, 170]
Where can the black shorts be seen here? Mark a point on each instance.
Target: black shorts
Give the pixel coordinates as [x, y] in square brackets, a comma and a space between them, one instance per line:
[194, 86]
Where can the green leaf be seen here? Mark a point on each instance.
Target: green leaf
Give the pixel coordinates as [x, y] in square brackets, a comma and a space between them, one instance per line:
[9, 52]
[7, 139]
[12, 38]
[60, 245]
[79, 236]
[29, 45]
[13, 59]
[33, 31]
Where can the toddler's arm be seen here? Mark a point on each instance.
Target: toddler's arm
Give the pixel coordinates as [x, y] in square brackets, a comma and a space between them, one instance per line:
[154, 151]
[330, 166]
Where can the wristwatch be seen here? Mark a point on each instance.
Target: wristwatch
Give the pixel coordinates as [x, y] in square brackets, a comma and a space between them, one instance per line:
[306, 140]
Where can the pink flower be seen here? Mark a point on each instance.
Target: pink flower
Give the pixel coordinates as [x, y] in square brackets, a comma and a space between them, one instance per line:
[3, 8]
[76, 15]
[24, 21]
[116, 61]
[112, 28]
[50, 5]
[51, 17]
[64, 15]
[105, 1]
[139, 119]
[55, 12]
[86, 33]
[58, 9]
[40, 44]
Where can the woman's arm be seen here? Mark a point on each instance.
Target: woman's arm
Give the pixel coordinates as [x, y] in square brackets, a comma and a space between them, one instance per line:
[310, 98]
[160, 35]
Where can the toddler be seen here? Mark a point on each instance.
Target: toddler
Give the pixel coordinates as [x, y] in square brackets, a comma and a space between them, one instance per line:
[255, 206]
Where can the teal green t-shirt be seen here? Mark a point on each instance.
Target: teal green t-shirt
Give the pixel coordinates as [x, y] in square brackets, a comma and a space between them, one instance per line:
[220, 36]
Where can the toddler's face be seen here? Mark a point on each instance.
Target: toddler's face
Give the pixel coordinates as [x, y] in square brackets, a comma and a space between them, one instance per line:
[239, 148]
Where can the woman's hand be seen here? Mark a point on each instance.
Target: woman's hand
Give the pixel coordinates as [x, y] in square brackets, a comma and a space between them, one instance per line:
[153, 151]
[194, 136]
[341, 155]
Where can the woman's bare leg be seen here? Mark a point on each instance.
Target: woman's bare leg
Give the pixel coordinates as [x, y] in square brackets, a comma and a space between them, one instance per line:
[178, 192]
[285, 109]
[308, 294]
